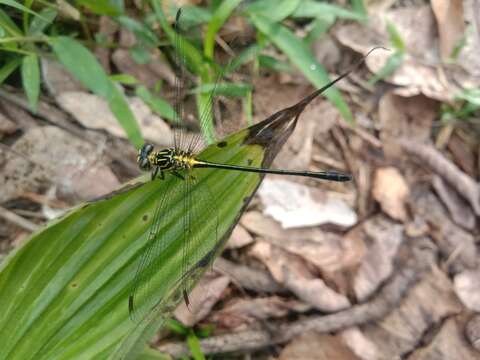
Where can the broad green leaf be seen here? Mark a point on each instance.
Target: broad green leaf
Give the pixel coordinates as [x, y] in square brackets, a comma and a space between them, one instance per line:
[221, 14]
[270, 62]
[302, 57]
[83, 65]
[140, 54]
[18, 6]
[275, 10]
[31, 79]
[64, 291]
[157, 104]
[39, 24]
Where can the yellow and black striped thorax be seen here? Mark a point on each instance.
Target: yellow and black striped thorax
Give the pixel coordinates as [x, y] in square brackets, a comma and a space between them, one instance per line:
[165, 159]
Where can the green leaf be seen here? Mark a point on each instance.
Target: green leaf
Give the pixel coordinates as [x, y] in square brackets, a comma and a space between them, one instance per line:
[9, 68]
[301, 56]
[315, 9]
[141, 31]
[395, 37]
[101, 7]
[31, 79]
[221, 14]
[392, 64]
[194, 346]
[39, 24]
[245, 56]
[140, 54]
[83, 65]
[275, 10]
[270, 62]
[18, 6]
[157, 104]
[228, 89]
[126, 79]
[9, 25]
[64, 292]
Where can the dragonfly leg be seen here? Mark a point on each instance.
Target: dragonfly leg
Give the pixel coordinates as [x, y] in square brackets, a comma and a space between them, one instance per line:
[154, 173]
[177, 174]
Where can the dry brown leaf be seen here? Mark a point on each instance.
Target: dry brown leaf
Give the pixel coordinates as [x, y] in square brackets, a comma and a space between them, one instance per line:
[297, 205]
[201, 300]
[402, 330]
[451, 26]
[93, 112]
[472, 331]
[404, 117]
[449, 343]
[327, 251]
[49, 155]
[292, 271]
[359, 344]
[239, 238]
[391, 190]
[7, 126]
[314, 346]
[246, 311]
[467, 288]
[377, 265]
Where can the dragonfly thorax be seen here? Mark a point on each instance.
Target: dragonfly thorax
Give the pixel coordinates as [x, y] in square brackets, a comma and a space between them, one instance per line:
[164, 159]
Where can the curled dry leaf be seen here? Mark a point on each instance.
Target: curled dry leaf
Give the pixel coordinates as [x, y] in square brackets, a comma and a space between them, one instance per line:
[245, 311]
[328, 251]
[467, 288]
[314, 346]
[292, 271]
[391, 190]
[401, 331]
[296, 205]
[385, 238]
[201, 300]
[93, 112]
[448, 343]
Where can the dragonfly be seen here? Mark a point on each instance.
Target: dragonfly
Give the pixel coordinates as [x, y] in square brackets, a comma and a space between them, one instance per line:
[183, 166]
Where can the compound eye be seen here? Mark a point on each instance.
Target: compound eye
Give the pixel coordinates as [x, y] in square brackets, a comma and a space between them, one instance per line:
[147, 149]
[144, 164]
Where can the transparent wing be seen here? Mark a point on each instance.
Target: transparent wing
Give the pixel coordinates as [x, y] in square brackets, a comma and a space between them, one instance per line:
[180, 78]
[193, 222]
[162, 227]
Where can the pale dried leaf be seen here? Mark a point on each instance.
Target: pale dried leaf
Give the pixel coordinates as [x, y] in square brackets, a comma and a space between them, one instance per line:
[202, 299]
[391, 190]
[467, 288]
[294, 205]
[450, 23]
[360, 344]
[314, 346]
[239, 238]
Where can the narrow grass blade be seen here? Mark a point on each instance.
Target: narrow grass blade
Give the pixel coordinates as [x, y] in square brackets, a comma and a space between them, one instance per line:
[31, 79]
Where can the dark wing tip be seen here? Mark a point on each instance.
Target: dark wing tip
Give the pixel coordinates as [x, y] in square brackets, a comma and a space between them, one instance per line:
[131, 307]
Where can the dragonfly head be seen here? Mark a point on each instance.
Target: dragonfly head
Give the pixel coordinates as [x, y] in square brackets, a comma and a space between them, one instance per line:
[143, 160]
